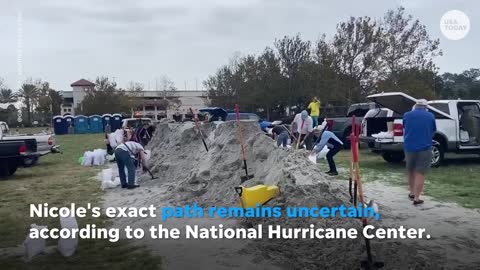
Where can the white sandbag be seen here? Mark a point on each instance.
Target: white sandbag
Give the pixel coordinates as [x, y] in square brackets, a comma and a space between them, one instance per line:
[111, 140]
[88, 158]
[99, 157]
[34, 247]
[107, 174]
[67, 246]
[313, 158]
[115, 138]
[119, 136]
[116, 181]
[323, 153]
[148, 155]
[108, 184]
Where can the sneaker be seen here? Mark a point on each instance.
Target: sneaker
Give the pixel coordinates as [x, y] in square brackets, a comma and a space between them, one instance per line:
[124, 186]
[133, 186]
[417, 202]
[333, 173]
[329, 172]
[411, 196]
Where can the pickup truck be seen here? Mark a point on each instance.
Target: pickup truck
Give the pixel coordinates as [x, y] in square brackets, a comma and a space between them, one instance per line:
[45, 143]
[342, 126]
[457, 121]
[12, 154]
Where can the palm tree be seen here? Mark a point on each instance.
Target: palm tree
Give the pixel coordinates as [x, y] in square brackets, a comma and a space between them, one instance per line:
[7, 96]
[29, 93]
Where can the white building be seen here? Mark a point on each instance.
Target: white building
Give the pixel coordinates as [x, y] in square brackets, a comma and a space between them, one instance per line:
[153, 104]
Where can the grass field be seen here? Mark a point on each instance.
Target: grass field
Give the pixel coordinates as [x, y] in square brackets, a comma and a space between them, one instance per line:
[59, 180]
[457, 180]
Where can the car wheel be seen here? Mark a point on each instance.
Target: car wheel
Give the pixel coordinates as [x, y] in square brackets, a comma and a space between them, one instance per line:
[438, 154]
[7, 169]
[393, 157]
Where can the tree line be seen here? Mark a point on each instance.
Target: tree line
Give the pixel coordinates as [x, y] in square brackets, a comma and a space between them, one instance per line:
[39, 101]
[365, 56]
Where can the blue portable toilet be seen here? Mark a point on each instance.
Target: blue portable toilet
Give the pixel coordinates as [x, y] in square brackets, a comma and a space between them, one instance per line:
[81, 124]
[116, 121]
[59, 125]
[69, 121]
[95, 123]
[107, 118]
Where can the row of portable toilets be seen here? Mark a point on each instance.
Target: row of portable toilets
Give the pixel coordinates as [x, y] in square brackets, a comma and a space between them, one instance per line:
[82, 124]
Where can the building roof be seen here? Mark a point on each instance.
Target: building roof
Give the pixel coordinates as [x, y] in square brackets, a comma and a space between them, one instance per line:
[82, 82]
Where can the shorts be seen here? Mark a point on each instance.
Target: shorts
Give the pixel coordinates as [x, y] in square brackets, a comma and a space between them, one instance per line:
[418, 161]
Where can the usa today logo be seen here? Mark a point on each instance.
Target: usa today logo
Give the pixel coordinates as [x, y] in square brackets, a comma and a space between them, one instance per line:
[455, 25]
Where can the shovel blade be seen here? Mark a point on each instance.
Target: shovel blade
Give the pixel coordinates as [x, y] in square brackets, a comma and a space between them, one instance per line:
[246, 177]
[367, 265]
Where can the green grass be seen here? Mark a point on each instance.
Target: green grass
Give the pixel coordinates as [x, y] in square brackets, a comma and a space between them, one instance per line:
[59, 180]
[457, 180]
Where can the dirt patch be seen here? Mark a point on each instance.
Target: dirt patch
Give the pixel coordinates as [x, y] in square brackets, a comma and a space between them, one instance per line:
[189, 174]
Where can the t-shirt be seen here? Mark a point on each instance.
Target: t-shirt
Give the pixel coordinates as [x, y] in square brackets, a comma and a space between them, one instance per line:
[314, 108]
[307, 124]
[135, 147]
[277, 130]
[419, 127]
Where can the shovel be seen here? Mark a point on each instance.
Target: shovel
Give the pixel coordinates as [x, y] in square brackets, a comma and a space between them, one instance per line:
[150, 172]
[240, 138]
[369, 263]
[199, 130]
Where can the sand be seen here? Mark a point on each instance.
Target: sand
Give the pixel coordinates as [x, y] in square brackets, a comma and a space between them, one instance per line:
[189, 174]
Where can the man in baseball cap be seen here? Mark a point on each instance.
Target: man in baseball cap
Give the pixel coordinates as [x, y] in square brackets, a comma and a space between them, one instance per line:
[419, 128]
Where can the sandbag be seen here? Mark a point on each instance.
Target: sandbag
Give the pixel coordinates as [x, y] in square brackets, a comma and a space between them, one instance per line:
[323, 153]
[107, 174]
[67, 246]
[115, 138]
[34, 247]
[148, 154]
[99, 157]
[88, 158]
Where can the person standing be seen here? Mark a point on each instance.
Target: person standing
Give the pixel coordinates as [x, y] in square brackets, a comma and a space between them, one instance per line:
[302, 126]
[314, 107]
[334, 145]
[419, 127]
[125, 154]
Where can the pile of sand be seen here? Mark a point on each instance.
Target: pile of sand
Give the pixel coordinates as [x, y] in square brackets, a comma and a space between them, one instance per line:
[188, 173]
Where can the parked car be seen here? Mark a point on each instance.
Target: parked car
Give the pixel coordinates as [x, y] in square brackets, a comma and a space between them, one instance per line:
[219, 114]
[342, 126]
[45, 143]
[458, 126]
[135, 122]
[13, 153]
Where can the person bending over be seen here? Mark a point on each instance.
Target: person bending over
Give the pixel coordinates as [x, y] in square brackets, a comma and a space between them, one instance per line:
[125, 156]
[334, 145]
[280, 133]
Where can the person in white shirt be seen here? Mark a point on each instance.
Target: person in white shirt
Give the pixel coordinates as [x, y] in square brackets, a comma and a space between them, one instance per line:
[302, 126]
[125, 156]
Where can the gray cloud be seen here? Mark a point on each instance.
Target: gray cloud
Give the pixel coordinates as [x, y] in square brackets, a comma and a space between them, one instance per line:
[189, 39]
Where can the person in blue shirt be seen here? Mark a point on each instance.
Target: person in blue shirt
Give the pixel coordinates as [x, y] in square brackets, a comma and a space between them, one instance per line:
[334, 145]
[419, 127]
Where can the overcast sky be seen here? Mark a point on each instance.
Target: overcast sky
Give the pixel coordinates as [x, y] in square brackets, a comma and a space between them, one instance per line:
[140, 40]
